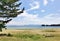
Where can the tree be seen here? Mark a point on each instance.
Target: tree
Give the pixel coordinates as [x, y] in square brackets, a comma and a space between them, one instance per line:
[8, 10]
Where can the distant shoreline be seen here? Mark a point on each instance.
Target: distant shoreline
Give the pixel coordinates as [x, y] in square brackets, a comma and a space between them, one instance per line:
[51, 25]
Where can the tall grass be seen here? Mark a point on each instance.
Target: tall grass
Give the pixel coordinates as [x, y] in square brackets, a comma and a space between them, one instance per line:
[30, 36]
[49, 30]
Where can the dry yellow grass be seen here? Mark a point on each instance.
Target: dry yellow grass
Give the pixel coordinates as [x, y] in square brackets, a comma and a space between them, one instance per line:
[33, 31]
[32, 35]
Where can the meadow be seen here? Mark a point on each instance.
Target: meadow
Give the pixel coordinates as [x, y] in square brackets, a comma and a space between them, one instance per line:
[30, 35]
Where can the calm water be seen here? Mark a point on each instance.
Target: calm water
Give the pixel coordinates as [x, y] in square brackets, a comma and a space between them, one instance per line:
[38, 27]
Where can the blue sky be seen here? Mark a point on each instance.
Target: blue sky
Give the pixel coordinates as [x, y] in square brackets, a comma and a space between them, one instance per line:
[38, 12]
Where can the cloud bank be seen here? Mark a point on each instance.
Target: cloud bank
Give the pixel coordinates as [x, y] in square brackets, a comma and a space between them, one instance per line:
[26, 19]
[30, 18]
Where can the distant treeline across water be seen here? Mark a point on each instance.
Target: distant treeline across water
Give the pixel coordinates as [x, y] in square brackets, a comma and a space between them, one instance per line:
[51, 25]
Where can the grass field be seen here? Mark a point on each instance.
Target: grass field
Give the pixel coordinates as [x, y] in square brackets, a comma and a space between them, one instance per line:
[31, 35]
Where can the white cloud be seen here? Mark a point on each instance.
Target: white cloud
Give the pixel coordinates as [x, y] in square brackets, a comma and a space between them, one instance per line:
[34, 5]
[42, 10]
[25, 14]
[27, 19]
[48, 16]
[53, 16]
[45, 2]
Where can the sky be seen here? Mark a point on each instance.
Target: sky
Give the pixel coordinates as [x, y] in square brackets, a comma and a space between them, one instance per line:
[38, 12]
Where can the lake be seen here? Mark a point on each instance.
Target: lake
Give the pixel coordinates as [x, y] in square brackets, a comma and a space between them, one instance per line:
[31, 27]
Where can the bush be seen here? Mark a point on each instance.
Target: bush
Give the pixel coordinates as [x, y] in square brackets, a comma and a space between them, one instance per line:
[9, 34]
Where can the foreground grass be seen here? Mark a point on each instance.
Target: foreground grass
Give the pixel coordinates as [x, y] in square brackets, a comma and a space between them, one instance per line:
[31, 35]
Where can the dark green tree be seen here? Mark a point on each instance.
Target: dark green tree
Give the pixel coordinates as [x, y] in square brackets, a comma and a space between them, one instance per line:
[9, 9]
